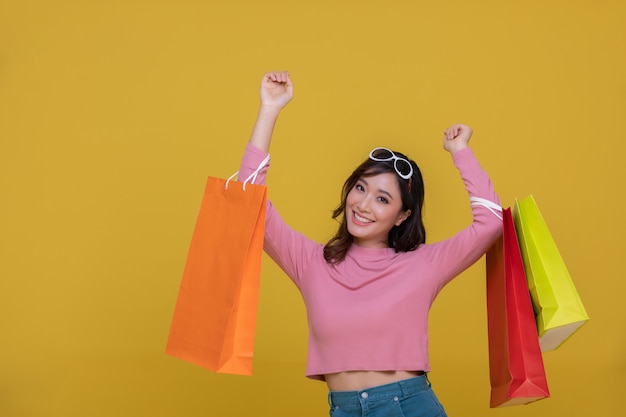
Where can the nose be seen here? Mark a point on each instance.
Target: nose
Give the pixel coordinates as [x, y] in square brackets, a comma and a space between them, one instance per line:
[363, 204]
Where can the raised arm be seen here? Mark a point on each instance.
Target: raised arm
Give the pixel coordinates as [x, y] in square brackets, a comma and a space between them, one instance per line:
[451, 256]
[276, 92]
[289, 249]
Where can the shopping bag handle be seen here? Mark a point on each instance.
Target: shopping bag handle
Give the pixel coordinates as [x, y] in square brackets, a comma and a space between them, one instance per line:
[252, 177]
[489, 205]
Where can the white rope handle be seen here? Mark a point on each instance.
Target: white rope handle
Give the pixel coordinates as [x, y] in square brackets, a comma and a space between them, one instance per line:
[230, 178]
[252, 177]
[489, 205]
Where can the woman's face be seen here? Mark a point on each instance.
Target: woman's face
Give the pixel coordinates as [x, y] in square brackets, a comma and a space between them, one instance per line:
[373, 208]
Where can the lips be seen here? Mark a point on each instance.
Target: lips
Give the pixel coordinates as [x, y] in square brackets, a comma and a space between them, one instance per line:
[360, 220]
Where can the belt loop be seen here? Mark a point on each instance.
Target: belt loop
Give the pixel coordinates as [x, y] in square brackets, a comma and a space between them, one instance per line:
[403, 388]
[330, 401]
[427, 380]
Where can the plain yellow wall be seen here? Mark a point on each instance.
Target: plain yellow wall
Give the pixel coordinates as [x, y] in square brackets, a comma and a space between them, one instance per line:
[112, 114]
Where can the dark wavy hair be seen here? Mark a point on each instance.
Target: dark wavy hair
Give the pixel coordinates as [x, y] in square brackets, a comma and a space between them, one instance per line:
[404, 238]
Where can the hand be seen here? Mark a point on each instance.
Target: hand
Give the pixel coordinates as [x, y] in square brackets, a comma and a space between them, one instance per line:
[456, 137]
[276, 89]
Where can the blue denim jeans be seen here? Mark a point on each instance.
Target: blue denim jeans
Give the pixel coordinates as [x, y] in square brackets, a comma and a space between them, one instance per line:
[409, 398]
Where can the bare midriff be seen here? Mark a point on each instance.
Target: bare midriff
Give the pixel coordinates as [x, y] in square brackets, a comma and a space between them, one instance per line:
[359, 380]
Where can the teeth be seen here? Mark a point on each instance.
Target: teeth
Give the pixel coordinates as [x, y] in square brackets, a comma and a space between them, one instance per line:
[362, 219]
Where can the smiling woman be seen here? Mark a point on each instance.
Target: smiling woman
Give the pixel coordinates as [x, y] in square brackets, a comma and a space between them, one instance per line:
[374, 207]
[112, 113]
[395, 183]
[369, 289]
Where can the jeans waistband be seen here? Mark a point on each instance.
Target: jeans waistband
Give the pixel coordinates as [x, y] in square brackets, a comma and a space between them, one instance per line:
[399, 389]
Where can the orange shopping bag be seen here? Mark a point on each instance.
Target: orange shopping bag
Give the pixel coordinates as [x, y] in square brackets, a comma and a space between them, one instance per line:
[215, 315]
[516, 368]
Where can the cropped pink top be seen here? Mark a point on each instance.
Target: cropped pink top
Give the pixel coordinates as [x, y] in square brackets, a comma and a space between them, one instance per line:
[370, 312]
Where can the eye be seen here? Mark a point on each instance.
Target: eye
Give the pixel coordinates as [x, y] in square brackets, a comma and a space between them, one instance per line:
[383, 200]
[359, 187]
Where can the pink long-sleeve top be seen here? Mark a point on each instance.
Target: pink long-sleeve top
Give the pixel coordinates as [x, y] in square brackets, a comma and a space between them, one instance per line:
[370, 312]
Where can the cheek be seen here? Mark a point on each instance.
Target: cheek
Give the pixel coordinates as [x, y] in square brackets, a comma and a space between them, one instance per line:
[392, 214]
[350, 198]
[384, 213]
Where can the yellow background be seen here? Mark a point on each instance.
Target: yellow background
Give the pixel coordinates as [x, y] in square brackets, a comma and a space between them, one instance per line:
[112, 114]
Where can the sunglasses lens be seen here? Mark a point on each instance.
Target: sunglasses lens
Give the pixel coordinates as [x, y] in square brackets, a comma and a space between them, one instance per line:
[381, 154]
[403, 167]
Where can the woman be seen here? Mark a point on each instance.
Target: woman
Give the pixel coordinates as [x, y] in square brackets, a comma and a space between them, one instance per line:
[369, 289]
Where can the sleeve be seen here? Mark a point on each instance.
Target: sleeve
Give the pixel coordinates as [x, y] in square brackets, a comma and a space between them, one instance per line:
[452, 256]
[291, 250]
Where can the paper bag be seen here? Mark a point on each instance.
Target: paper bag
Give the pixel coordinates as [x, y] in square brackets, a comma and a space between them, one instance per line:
[215, 315]
[558, 308]
[516, 370]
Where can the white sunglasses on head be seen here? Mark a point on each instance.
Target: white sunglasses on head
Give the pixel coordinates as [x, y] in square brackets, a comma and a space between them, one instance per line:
[402, 166]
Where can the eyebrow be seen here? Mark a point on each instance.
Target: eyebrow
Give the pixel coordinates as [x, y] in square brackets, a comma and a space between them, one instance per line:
[379, 190]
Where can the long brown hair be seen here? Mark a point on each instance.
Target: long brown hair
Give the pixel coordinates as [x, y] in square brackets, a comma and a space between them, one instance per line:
[406, 237]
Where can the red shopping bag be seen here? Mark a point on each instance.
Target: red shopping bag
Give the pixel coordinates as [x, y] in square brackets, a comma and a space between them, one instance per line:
[516, 366]
[215, 315]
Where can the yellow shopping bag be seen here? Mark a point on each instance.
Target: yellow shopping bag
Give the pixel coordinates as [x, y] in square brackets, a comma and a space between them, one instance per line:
[558, 308]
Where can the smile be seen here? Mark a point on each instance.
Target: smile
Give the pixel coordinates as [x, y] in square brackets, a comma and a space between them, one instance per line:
[361, 219]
